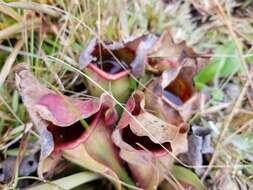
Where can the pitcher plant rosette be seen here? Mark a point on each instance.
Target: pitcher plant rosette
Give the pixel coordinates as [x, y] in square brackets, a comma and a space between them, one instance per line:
[134, 147]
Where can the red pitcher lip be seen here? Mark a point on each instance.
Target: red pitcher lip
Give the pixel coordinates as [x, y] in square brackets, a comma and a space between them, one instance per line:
[132, 52]
[81, 139]
[161, 151]
[106, 75]
[64, 123]
[135, 108]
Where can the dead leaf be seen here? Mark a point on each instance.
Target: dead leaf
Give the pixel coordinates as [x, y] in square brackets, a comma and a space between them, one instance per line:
[166, 55]
[138, 65]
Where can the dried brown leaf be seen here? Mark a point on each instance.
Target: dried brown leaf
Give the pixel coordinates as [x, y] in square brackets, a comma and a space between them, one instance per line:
[166, 54]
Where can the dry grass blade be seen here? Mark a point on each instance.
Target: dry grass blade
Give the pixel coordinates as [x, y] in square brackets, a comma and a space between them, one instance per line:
[23, 53]
[10, 109]
[16, 28]
[239, 130]
[56, 77]
[225, 127]
[238, 43]
[10, 12]
[38, 7]
[21, 153]
[9, 61]
[5, 116]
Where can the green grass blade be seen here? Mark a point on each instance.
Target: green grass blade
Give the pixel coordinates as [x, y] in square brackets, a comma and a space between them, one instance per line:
[185, 175]
[68, 182]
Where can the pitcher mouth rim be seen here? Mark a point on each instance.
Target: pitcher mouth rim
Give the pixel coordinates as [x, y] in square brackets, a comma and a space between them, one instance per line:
[106, 75]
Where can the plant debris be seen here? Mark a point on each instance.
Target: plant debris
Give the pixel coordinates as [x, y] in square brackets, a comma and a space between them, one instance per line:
[199, 148]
